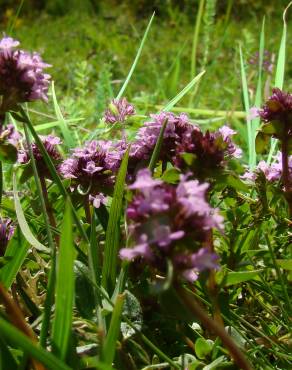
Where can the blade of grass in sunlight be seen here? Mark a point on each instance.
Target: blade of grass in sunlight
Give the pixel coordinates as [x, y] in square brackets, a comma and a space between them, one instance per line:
[64, 295]
[109, 346]
[45, 126]
[255, 123]
[280, 72]
[23, 223]
[127, 80]
[183, 92]
[250, 143]
[15, 253]
[157, 148]
[68, 138]
[196, 37]
[113, 229]
[17, 338]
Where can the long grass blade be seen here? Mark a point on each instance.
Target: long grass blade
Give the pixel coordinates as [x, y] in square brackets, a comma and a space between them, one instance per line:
[113, 229]
[15, 337]
[255, 123]
[250, 143]
[23, 223]
[62, 323]
[125, 84]
[109, 347]
[183, 92]
[68, 138]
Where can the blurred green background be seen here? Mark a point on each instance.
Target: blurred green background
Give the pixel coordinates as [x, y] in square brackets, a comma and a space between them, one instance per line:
[92, 44]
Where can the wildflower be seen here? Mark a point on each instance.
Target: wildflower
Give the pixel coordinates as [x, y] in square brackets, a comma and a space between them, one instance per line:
[6, 232]
[118, 111]
[272, 172]
[10, 135]
[147, 136]
[21, 75]
[50, 143]
[203, 153]
[169, 222]
[278, 109]
[92, 167]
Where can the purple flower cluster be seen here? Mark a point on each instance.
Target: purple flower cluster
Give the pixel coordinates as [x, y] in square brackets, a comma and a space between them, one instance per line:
[118, 111]
[211, 149]
[272, 172]
[10, 135]
[148, 134]
[92, 167]
[278, 108]
[51, 145]
[171, 222]
[6, 232]
[21, 75]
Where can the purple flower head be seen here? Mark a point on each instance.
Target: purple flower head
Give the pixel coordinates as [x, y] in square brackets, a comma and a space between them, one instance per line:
[202, 153]
[142, 147]
[118, 111]
[50, 143]
[170, 222]
[10, 135]
[93, 166]
[21, 75]
[278, 108]
[272, 172]
[6, 233]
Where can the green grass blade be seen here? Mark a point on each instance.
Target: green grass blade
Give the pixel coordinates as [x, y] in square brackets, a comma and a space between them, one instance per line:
[280, 72]
[93, 258]
[183, 92]
[16, 252]
[23, 223]
[196, 37]
[113, 229]
[68, 138]
[125, 84]
[7, 361]
[250, 143]
[255, 123]
[62, 323]
[52, 124]
[17, 338]
[109, 347]
[157, 148]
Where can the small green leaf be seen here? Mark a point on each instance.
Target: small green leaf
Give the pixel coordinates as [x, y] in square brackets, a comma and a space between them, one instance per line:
[233, 278]
[285, 264]
[262, 142]
[8, 153]
[203, 348]
[171, 175]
